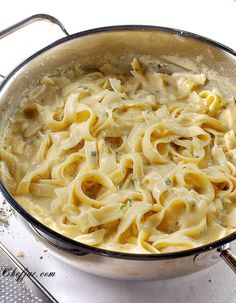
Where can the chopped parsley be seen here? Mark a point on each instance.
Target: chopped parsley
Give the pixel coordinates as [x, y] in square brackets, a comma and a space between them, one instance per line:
[133, 183]
[93, 153]
[126, 205]
[130, 202]
[167, 182]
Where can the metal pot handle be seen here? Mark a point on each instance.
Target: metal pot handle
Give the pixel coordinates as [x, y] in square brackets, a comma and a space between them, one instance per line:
[31, 19]
[38, 17]
[229, 258]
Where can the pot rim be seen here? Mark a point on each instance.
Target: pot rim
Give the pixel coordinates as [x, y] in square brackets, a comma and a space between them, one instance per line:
[78, 245]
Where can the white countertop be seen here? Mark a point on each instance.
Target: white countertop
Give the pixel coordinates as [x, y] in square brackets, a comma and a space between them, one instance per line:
[211, 18]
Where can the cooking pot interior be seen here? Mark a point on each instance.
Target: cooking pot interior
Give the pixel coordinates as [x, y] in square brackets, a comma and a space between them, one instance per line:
[118, 45]
[162, 49]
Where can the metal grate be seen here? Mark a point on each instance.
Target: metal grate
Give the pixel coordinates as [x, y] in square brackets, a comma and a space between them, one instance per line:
[17, 285]
[12, 291]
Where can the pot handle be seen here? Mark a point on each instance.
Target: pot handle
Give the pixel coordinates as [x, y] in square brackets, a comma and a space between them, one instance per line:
[38, 17]
[229, 258]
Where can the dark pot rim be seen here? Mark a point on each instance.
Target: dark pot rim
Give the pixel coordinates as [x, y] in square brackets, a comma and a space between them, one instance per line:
[83, 248]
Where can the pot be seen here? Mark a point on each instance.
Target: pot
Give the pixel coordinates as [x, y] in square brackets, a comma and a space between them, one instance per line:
[91, 48]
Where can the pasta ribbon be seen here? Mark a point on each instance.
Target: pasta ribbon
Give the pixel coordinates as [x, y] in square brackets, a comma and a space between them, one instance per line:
[141, 162]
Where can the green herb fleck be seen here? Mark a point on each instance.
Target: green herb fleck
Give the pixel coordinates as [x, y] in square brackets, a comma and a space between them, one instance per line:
[106, 114]
[122, 206]
[93, 153]
[130, 202]
[167, 182]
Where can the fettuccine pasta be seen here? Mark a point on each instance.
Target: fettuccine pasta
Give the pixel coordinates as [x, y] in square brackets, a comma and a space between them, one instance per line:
[139, 163]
